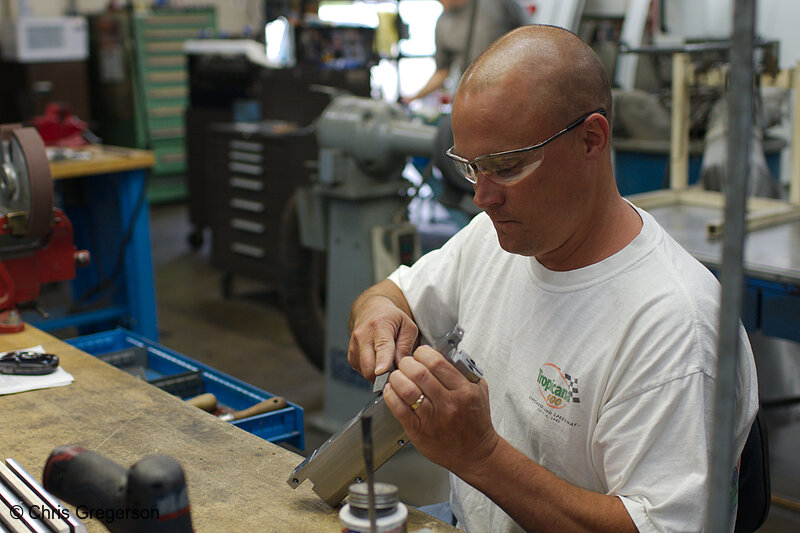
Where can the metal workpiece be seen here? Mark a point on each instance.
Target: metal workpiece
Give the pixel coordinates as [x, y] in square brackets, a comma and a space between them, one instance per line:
[448, 346]
[339, 462]
[377, 134]
[466, 366]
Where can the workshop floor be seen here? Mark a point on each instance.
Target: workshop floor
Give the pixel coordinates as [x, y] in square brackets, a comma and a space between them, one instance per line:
[246, 336]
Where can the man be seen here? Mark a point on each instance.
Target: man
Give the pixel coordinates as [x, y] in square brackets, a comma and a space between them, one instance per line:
[493, 18]
[595, 330]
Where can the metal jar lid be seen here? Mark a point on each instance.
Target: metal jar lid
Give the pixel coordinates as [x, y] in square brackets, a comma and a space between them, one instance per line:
[386, 496]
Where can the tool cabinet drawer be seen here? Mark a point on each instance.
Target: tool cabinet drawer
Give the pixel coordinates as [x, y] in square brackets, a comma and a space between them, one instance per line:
[186, 377]
[247, 247]
[241, 196]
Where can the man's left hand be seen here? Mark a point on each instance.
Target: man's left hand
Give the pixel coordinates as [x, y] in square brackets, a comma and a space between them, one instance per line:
[451, 425]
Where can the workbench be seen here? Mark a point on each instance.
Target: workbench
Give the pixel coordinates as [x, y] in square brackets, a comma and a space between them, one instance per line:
[236, 481]
[771, 266]
[104, 197]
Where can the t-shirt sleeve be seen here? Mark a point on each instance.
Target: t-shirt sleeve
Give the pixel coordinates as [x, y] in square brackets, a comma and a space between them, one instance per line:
[431, 286]
[428, 291]
[653, 449]
[652, 441]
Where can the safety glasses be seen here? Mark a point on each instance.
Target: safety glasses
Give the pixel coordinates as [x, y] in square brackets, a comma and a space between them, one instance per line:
[509, 166]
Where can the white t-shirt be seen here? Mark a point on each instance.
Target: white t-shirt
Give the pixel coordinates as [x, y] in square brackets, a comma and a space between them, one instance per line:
[603, 375]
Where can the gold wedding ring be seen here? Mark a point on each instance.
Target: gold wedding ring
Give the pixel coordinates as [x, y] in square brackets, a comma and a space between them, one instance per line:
[415, 405]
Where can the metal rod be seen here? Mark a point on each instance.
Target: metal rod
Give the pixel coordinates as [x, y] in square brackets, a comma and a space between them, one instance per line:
[366, 438]
[473, 17]
[741, 100]
[679, 134]
[691, 48]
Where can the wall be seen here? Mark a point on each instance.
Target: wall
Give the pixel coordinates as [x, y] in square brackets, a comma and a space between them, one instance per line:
[232, 15]
[698, 19]
[777, 19]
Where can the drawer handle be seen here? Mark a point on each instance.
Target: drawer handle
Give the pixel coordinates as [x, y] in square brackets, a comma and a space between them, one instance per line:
[247, 157]
[245, 168]
[247, 146]
[248, 250]
[247, 225]
[246, 184]
[247, 205]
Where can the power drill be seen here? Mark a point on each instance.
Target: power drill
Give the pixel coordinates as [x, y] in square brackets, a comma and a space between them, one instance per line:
[149, 497]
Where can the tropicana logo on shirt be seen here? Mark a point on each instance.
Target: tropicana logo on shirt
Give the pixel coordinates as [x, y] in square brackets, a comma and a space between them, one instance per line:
[558, 389]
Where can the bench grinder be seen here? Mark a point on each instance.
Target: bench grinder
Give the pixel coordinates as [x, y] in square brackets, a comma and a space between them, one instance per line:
[36, 239]
[364, 146]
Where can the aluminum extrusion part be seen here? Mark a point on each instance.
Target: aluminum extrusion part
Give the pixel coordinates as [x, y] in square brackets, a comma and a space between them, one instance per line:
[339, 462]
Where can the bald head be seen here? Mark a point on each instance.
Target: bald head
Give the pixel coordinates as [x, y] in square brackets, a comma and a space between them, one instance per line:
[553, 67]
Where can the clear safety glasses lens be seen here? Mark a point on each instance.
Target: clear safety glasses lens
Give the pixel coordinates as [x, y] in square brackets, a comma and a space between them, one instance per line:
[503, 168]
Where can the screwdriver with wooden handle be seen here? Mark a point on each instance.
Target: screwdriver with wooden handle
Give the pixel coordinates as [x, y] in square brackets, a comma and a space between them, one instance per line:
[266, 406]
[208, 402]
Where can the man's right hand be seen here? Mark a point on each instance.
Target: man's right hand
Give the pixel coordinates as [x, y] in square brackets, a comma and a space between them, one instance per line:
[382, 333]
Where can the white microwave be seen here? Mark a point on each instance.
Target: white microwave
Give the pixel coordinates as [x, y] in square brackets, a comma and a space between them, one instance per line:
[45, 39]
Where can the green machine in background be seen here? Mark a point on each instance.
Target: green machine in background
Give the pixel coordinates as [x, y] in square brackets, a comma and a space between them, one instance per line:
[139, 80]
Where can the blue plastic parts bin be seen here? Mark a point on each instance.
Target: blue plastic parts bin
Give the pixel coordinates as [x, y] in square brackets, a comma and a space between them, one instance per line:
[284, 425]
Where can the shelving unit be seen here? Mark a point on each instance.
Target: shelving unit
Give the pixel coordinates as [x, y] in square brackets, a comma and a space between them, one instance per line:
[140, 83]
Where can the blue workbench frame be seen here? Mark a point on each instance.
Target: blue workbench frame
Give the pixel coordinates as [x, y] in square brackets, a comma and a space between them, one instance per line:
[103, 210]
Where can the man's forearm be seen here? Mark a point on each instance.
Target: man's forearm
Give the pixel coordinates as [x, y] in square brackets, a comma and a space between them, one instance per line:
[435, 82]
[537, 499]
